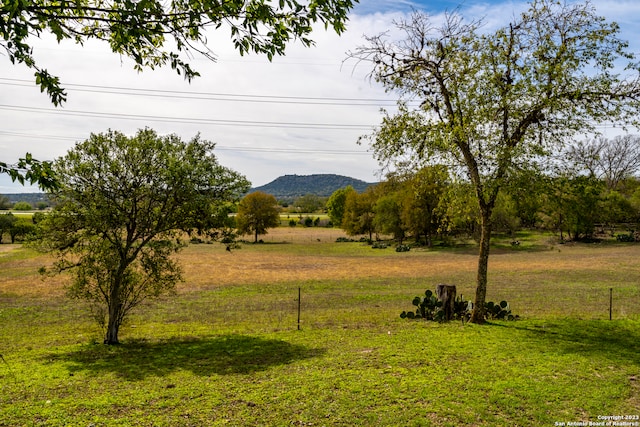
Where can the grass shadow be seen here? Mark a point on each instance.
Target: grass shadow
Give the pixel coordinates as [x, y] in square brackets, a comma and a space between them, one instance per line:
[617, 341]
[223, 355]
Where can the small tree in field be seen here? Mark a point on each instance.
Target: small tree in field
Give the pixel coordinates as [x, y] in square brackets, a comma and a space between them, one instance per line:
[257, 212]
[489, 102]
[123, 206]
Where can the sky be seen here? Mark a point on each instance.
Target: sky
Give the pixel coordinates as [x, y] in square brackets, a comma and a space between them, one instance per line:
[299, 114]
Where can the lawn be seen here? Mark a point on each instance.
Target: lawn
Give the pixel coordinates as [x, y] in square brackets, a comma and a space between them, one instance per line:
[226, 349]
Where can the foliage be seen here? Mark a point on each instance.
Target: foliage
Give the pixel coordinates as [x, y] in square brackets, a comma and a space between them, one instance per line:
[629, 237]
[22, 206]
[336, 204]
[308, 203]
[403, 248]
[387, 219]
[6, 223]
[5, 203]
[490, 101]
[573, 205]
[257, 212]
[32, 171]
[359, 213]
[122, 208]
[142, 30]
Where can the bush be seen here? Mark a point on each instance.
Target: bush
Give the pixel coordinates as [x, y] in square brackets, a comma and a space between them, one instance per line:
[379, 245]
[629, 237]
[22, 206]
[344, 240]
[403, 248]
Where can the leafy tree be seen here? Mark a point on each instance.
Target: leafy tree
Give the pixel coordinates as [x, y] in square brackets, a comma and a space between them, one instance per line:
[308, 203]
[489, 101]
[388, 215]
[123, 206]
[617, 209]
[573, 205]
[6, 223]
[22, 206]
[359, 213]
[505, 214]
[20, 229]
[154, 33]
[257, 212]
[336, 204]
[5, 203]
[424, 194]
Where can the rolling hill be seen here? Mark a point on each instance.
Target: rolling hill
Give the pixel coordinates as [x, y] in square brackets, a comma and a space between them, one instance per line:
[289, 187]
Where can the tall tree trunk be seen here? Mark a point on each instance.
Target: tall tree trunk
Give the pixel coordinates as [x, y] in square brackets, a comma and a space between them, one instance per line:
[483, 263]
[113, 323]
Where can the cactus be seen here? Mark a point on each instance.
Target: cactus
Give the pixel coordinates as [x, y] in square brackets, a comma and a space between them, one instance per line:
[430, 308]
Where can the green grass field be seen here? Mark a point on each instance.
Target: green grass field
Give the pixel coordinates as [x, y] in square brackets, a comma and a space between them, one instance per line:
[226, 349]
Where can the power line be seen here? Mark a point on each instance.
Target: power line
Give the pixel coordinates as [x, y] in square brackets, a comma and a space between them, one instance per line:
[214, 96]
[217, 147]
[218, 122]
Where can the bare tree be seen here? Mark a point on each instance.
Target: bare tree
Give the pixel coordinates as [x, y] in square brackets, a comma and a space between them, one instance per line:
[612, 160]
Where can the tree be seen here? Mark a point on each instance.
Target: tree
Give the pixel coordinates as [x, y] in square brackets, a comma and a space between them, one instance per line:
[359, 213]
[123, 206]
[388, 216]
[610, 159]
[142, 30]
[257, 212]
[574, 204]
[308, 203]
[336, 204]
[425, 191]
[490, 101]
[22, 206]
[6, 223]
[5, 203]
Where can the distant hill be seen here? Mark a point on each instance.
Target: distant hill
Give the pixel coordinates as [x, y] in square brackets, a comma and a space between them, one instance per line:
[289, 187]
[31, 198]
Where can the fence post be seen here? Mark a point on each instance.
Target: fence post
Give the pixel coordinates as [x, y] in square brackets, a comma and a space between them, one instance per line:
[298, 308]
[610, 302]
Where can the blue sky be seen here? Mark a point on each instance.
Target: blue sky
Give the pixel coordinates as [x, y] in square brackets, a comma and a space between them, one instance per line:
[301, 114]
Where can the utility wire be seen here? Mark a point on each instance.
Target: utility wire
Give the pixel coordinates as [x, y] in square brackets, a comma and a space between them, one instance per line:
[217, 147]
[214, 96]
[219, 122]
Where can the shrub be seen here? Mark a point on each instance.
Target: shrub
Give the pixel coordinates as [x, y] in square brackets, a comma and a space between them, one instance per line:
[22, 206]
[379, 245]
[629, 237]
[403, 248]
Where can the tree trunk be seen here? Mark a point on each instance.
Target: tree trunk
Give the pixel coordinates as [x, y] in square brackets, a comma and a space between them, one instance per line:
[113, 323]
[483, 263]
[447, 295]
[113, 326]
